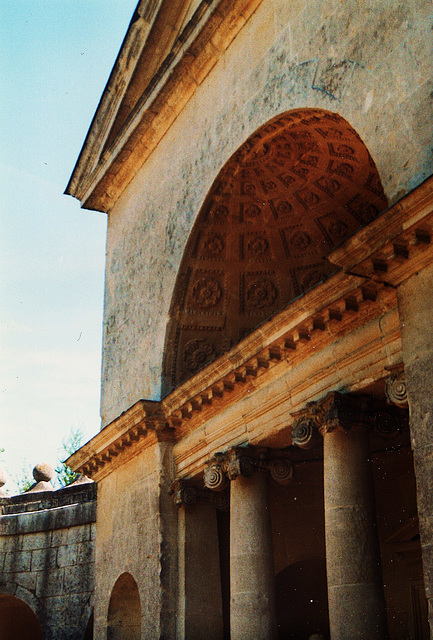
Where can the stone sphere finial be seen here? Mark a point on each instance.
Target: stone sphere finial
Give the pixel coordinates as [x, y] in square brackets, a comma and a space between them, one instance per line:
[3, 477]
[43, 472]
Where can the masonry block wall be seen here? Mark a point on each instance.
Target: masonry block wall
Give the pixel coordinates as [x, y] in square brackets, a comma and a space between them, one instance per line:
[47, 558]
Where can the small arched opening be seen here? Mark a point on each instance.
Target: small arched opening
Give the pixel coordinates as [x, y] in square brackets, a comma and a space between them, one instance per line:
[124, 611]
[296, 189]
[18, 621]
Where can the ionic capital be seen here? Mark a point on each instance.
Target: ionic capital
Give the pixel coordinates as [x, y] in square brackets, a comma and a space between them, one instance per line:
[244, 461]
[335, 411]
[215, 476]
[305, 429]
[185, 494]
[385, 422]
[340, 411]
[395, 389]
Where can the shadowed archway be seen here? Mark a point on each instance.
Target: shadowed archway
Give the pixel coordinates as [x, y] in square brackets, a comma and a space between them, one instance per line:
[17, 620]
[297, 188]
[124, 611]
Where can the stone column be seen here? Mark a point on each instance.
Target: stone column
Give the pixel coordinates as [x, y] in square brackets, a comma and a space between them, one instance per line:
[415, 302]
[355, 595]
[252, 582]
[200, 600]
[252, 585]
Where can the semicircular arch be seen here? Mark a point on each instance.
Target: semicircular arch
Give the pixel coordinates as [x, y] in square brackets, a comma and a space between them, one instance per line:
[124, 610]
[18, 620]
[297, 188]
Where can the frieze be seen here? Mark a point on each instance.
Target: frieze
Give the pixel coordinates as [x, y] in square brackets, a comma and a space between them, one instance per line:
[330, 186]
[281, 208]
[218, 214]
[257, 246]
[284, 175]
[362, 210]
[292, 341]
[251, 211]
[338, 229]
[300, 240]
[213, 246]
[338, 302]
[261, 293]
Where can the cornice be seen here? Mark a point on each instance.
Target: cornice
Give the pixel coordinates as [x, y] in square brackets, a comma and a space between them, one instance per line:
[101, 175]
[396, 244]
[139, 427]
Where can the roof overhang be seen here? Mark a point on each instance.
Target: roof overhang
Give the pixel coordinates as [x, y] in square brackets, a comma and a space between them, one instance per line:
[169, 49]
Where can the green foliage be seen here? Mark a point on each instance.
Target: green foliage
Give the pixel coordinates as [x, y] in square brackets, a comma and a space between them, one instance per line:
[70, 444]
[24, 484]
[26, 480]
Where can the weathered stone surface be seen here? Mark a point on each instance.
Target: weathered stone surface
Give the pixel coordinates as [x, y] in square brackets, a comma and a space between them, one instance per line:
[156, 160]
[252, 588]
[43, 472]
[44, 559]
[355, 596]
[297, 56]
[18, 561]
[40, 540]
[137, 496]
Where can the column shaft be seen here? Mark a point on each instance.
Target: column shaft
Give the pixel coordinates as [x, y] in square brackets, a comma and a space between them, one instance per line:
[252, 584]
[355, 596]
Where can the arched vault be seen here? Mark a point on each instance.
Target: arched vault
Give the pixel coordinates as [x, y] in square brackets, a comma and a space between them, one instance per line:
[296, 189]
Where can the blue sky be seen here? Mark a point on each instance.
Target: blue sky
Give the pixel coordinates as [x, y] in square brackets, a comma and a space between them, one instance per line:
[55, 58]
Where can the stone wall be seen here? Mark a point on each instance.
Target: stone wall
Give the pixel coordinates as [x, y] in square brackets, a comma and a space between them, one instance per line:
[370, 63]
[47, 557]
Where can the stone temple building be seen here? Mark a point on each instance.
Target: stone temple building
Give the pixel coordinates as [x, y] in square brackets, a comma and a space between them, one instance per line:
[264, 467]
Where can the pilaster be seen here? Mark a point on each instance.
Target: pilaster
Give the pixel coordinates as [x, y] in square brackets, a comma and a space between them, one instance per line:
[200, 598]
[415, 301]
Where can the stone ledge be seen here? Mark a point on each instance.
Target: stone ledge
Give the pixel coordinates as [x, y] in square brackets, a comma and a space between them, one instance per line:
[30, 502]
[48, 519]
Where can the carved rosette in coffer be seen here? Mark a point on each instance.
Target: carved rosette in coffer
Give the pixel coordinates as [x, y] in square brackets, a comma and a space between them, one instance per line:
[298, 187]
